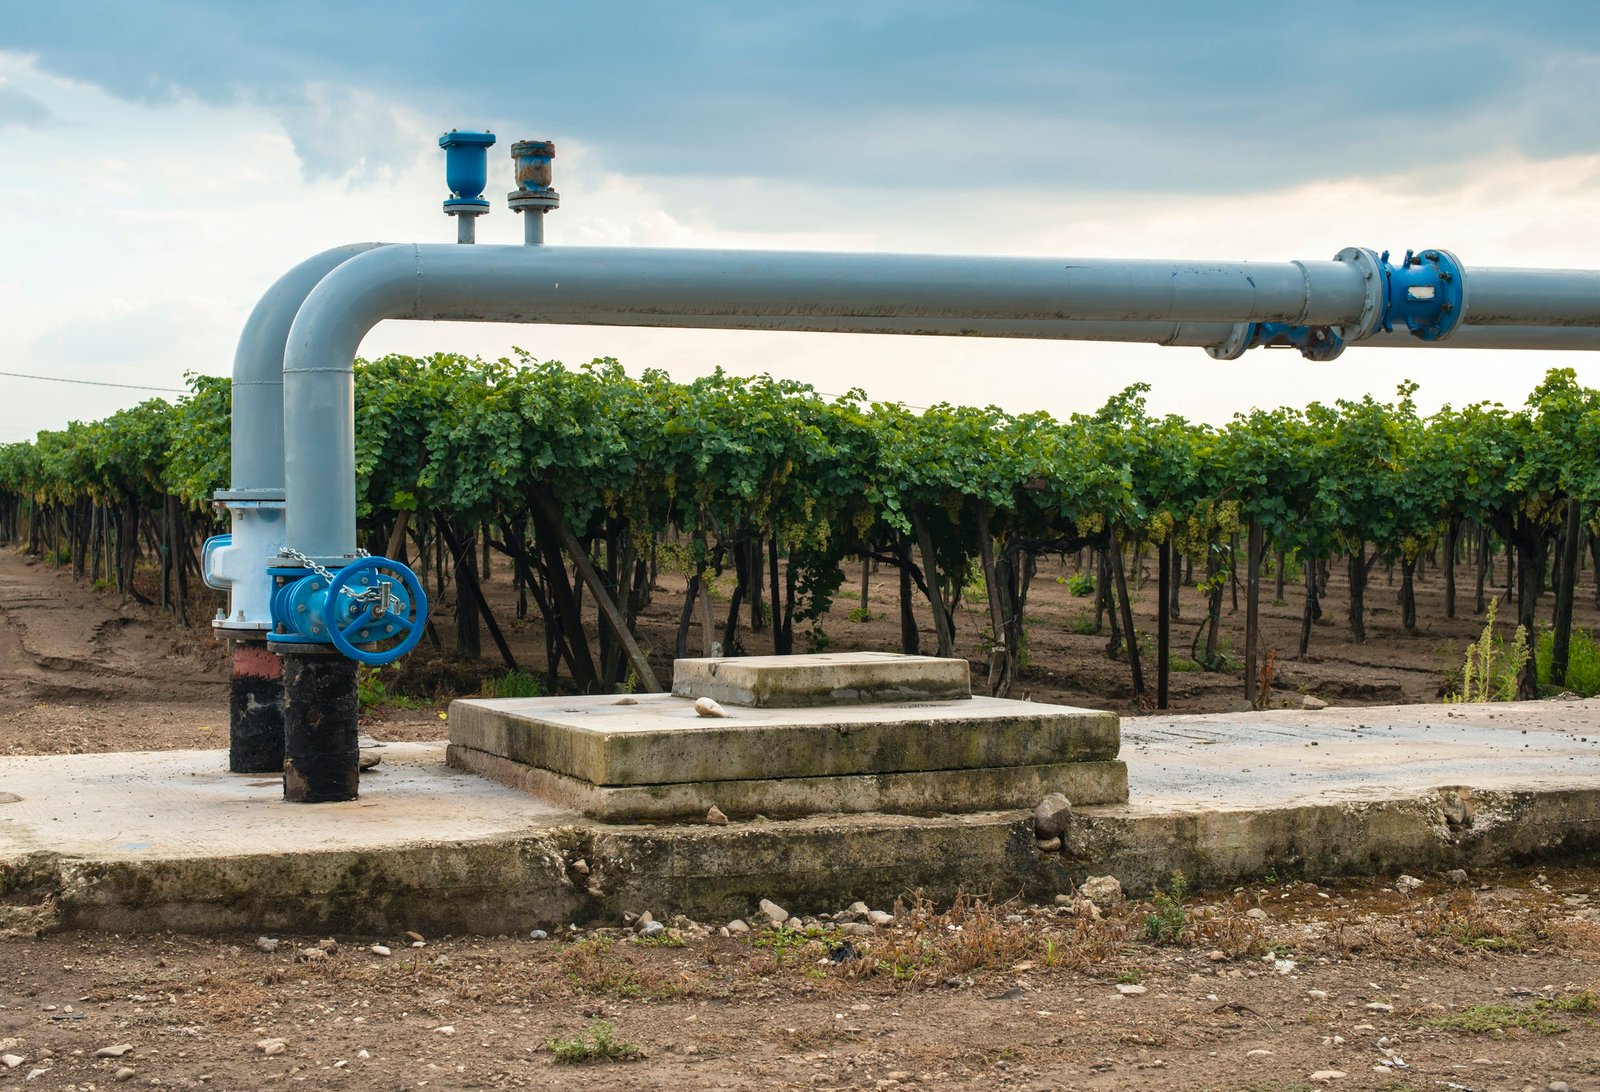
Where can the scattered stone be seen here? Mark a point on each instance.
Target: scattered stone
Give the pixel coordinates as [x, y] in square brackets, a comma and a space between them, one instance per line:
[652, 929]
[113, 1051]
[715, 817]
[1458, 876]
[415, 938]
[124, 1074]
[1051, 817]
[1259, 1053]
[738, 926]
[855, 929]
[11, 1061]
[581, 867]
[368, 760]
[1049, 845]
[267, 944]
[538, 934]
[328, 944]
[1064, 900]
[311, 955]
[1130, 989]
[1407, 884]
[271, 1046]
[1217, 955]
[1558, 1086]
[445, 1029]
[626, 701]
[379, 950]
[860, 908]
[705, 707]
[1379, 1006]
[775, 913]
[879, 917]
[362, 1054]
[1283, 966]
[1255, 913]
[1311, 701]
[1317, 995]
[36, 1072]
[1104, 891]
[1328, 1075]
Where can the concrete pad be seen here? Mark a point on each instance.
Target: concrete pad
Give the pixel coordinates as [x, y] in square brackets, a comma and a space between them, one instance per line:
[924, 792]
[169, 841]
[658, 739]
[827, 678]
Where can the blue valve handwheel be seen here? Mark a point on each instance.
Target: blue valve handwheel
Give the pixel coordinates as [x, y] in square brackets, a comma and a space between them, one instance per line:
[353, 622]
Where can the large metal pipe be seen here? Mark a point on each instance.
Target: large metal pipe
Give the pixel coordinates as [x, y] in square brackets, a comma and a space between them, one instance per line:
[257, 472]
[1537, 297]
[910, 294]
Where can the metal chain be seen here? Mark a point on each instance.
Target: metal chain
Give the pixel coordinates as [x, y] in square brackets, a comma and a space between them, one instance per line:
[371, 595]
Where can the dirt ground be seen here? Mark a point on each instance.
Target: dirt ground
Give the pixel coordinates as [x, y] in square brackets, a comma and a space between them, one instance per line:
[1487, 984]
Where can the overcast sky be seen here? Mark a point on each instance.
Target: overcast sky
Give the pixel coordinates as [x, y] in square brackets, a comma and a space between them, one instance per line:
[162, 162]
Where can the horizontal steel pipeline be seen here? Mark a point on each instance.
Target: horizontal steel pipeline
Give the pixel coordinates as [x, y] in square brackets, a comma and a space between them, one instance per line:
[594, 285]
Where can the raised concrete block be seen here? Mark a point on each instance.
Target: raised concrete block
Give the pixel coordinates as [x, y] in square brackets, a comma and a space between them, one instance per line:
[842, 678]
[657, 739]
[933, 792]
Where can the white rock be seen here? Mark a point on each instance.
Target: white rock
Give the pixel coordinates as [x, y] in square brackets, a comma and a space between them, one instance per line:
[267, 944]
[1255, 913]
[113, 1051]
[859, 908]
[1328, 1075]
[1103, 891]
[126, 1073]
[715, 817]
[738, 926]
[775, 913]
[1051, 817]
[1407, 883]
[1379, 1006]
[1458, 875]
[271, 1046]
[1260, 1053]
[445, 1029]
[705, 707]
[879, 917]
[1283, 966]
[1317, 995]
[1129, 989]
[538, 934]
[380, 950]
[362, 1054]
[1311, 701]
[11, 1061]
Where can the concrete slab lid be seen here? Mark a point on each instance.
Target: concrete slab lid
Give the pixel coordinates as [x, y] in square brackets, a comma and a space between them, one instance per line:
[828, 678]
[659, 738]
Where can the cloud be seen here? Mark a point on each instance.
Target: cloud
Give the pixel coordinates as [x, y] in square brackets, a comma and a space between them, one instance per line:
[20, 110]
[1165, 97]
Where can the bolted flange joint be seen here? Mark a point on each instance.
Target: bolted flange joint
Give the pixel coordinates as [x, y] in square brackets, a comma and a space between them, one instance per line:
[1426, 293]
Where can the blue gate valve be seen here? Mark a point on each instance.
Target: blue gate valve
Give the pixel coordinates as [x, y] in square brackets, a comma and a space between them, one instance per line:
[368, 602]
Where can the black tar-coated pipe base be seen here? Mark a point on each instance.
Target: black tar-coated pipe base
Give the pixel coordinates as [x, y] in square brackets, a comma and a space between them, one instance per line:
[322, 756]
[255, 709]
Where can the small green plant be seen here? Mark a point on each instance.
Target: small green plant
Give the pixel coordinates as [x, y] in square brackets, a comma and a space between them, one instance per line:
[372, 691]
[1583, 662]
[1081, 585]
[102, 584]
[1182, 663]
[1491, 670]
[1167, 920]
[1081, 623]
[515, 684]
[1129, 978]
[861, 614]
[659, 940]
[817, 640]
[598, 1043]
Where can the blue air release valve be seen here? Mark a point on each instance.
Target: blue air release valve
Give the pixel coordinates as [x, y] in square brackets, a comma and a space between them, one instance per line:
[371, 601]
[466, 171]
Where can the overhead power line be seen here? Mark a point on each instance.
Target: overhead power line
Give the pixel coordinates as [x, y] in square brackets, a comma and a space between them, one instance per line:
[95, 383]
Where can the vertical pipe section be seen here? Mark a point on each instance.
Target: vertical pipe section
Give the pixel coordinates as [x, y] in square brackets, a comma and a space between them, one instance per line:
[322, 753]
[255, 708]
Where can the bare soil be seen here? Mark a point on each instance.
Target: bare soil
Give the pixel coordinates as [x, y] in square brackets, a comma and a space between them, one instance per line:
[1478, 986]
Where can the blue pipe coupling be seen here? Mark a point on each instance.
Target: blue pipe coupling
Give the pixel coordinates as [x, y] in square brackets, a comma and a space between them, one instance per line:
[1426, 293]
[372, 610]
